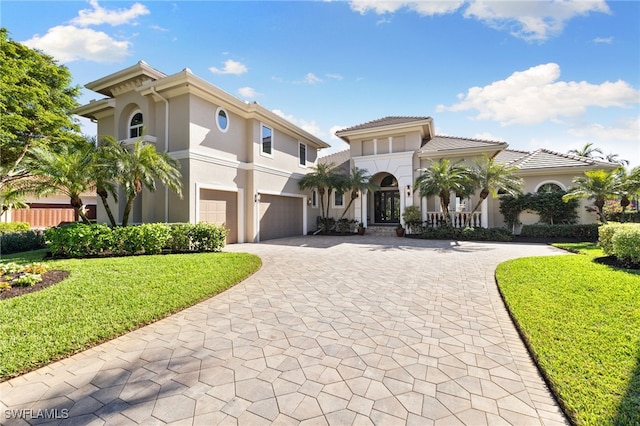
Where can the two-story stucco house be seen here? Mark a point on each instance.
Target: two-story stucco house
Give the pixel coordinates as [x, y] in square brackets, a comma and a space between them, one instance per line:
[240, 162]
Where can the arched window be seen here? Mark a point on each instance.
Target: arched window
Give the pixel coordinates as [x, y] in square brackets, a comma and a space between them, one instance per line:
[549, 187]
[388, 181]
[135, 125]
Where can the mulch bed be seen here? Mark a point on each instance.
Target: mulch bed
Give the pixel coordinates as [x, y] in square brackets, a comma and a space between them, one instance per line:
[616, 263]
[48, 279]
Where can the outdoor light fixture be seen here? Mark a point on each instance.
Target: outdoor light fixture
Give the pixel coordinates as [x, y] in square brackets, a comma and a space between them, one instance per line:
[408, 190]
[257, 197]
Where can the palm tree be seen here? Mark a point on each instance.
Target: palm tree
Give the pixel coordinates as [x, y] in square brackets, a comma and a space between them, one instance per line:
[108, 156]
[596, 185]
[141, 167]
[441, 178]
[615, 158]
[588, 150]
[11, 198]
[491, 177]
[68, 171]
[358, 181]
[323, 179]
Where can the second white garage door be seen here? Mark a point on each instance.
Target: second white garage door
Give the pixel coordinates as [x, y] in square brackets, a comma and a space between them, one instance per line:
[280, 216]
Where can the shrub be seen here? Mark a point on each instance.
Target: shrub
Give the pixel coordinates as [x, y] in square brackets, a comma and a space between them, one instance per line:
[412, 218]
[345, 226]
[467, 234]
[14, 242]
[578, 232]
[14, 227]
[207, 237]
[326, 224]
[179, 239]
[626, 244]
[149, 238]
[27, 280]
[79, 240]
[607, 232]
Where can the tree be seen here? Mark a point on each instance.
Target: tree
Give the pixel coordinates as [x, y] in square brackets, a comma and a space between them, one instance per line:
[441, 178]
[11, 198]
[596, 185]
[141, 167]
[107, 157]
[588, 150]
[358, 181]
[323, 179]
[36, 100]
[615, 158]
[67, 170]
[491, 177]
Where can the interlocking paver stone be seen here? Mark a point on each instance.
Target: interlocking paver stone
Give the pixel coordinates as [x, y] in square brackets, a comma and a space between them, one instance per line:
[331, 330]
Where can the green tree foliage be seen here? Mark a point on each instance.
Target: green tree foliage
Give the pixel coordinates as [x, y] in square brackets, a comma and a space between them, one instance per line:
[139, 167]
[358, 181]
[491, 177]
[36, 99]
[324, 179]
[596, 185]
[588, 150]
[441, 178]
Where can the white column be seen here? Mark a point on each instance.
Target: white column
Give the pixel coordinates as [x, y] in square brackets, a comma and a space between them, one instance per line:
[423, 202]
[363, 217]
[375, 146]
[484, 212]
[357, 208]
[304, 215]
[390, 144]
[403, 203]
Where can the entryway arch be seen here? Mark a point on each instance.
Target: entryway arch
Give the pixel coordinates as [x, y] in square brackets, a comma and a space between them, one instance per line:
[386, 206]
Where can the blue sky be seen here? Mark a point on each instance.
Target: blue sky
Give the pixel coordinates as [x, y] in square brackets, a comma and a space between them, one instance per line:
[537, 74]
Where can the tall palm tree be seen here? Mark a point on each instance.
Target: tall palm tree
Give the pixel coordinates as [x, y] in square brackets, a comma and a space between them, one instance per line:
[11, 198]
[67, 170]
[358, 181]
[588, 150]
[491, 177]
[323, 179]
[615, 158]
[441, 178]
[141, 167]
[596, 185]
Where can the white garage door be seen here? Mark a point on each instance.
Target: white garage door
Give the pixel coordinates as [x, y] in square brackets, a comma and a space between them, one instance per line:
[280, 216]
[220, 207]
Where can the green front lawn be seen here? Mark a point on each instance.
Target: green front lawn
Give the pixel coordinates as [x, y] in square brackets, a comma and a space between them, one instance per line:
[582, 323]
[105, 298]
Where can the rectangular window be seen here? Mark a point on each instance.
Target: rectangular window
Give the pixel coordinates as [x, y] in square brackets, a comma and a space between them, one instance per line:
[266, 138]
[338, 199]
[314, 199]
[302, 154]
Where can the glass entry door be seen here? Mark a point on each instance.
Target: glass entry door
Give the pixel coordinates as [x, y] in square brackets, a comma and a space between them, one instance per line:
[387, 206]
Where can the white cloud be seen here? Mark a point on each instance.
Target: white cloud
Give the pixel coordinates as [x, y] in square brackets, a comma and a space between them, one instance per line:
[532, 20]
[309, 126]
[230, 67]
[311, 78]
[605, 40]
[529, 20]
[248, 92]
[333, 130]
[99, 15]
[67, 43]
[421, 7]
[334, 76]
[626, 129]
[486, 136]
[535, 95]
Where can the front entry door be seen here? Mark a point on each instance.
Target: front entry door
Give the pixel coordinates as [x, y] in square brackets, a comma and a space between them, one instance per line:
[387, 206]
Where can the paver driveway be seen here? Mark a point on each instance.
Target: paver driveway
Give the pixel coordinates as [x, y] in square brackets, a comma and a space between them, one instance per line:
[353, 330]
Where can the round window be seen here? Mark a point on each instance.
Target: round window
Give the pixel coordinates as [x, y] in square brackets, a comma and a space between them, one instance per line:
[222, 119]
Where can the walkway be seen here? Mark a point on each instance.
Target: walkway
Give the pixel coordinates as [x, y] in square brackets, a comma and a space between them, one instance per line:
[351, 330]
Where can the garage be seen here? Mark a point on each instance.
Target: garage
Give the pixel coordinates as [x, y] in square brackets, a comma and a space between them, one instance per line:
[221, 208]
[280, 216]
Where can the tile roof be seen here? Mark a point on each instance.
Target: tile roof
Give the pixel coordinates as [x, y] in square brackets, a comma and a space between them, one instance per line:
[340, 159]
[510, 155]
[448, 143]
[544, 159]
[385, 121]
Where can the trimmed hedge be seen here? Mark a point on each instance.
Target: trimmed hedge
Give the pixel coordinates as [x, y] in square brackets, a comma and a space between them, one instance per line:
[14, 227]
[626, 244]
[14, 242]
[578, 232]
[466, 234]
[80, 240]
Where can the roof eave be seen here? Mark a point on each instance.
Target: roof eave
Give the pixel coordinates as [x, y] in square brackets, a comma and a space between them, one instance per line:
[424, 126]
[140, 69]
[494, 150]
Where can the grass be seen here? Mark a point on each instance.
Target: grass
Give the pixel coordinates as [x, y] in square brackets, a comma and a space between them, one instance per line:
[105, 298]
[582, 323]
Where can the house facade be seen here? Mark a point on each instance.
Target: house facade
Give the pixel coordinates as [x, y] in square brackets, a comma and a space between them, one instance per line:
[394, 150]
[240, 162]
